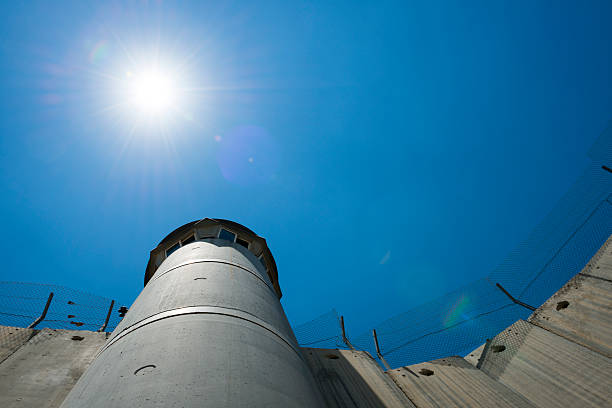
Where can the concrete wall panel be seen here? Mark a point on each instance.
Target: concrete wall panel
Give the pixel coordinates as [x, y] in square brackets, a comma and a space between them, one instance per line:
[11, 338]
[547, 369]
[453, 382]
[600, 266]
[41, 372]
[581, 312]
[474, 356]
[352, 379]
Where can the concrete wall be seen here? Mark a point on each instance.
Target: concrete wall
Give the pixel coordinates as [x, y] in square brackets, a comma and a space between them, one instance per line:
[601, 264]
[560, 357]
[548, 369]
[581, 311]
[11, 338]
[352, 379]
[453, 382]
[474, 357]
[40, 371]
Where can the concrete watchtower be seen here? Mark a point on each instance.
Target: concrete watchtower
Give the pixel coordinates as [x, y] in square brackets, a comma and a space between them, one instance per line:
[207, 330]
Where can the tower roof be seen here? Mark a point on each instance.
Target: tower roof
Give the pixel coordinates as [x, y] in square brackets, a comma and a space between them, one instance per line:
[243, 231]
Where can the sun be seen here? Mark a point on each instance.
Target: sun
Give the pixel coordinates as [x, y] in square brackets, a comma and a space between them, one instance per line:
[149, 96]
[152, 93]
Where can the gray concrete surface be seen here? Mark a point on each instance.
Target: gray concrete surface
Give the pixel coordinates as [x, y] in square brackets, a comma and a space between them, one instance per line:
[453, 382]
[199, 360]
[475, 355]
[213, 332]
[41, 372]
[548, 369]
[601, 264]
[581, 312]
[11, 338]
[352, 379]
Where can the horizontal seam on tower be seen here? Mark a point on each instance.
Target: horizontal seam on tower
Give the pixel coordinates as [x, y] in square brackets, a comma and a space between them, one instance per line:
[133, 325]
[143, 323]
[213, 261]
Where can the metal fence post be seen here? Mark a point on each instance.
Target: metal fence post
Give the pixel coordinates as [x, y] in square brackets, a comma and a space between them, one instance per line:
[44, 313]
[483, 355]
[512, 298]
[344, 338]
[387, 366]
[110, 310]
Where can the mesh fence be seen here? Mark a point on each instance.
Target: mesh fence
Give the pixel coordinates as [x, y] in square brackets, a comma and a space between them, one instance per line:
[22, 303]
[510, 342]
[453, 324]
[323, 332]
[556, 250]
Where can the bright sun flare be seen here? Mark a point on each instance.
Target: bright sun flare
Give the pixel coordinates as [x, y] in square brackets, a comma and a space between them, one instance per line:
[152, 93]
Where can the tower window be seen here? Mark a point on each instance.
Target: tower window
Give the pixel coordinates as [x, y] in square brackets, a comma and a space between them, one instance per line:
[242, 242]
[188, 240]
[263, 262]
[227, 235]
[173, 248]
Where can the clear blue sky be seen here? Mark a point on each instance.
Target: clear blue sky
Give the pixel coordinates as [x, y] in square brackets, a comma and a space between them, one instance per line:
[388, 152]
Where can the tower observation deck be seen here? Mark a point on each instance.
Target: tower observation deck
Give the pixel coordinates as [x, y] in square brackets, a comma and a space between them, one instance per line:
[207, 330]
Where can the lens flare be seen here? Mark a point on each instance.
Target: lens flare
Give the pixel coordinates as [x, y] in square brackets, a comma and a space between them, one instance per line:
[100, 52]
[248, 155]
[456, 311]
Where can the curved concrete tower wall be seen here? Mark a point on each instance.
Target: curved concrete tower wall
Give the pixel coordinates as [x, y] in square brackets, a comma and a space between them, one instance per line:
[208, 330]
